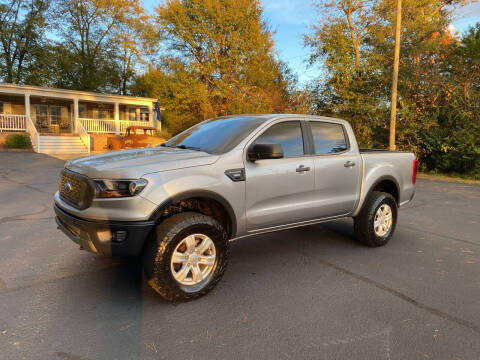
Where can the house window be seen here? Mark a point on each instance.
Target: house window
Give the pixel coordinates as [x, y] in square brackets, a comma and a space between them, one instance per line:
[132, 114]
[82, 111]
[1, 107]
[144, 114]
[105, 114]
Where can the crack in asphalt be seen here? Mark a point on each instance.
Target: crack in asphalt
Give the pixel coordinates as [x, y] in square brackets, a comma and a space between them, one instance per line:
[459, 321]
[7, 290]
[29, 186]
[7, 220]
[69, 356]
[21, 216]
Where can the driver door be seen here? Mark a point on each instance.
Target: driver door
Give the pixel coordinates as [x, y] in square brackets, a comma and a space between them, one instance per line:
[280, 191]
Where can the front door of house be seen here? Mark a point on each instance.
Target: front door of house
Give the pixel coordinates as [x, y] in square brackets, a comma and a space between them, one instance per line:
[55, 114]
[42, 116]
[52, 118]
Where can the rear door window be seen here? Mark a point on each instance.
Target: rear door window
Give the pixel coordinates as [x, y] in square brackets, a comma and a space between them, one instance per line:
[328, 138]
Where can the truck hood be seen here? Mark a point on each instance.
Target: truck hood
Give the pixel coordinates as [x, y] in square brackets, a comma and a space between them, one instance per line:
[132, 164]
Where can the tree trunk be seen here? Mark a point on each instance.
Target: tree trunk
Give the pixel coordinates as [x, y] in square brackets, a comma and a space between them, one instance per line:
[355, 41]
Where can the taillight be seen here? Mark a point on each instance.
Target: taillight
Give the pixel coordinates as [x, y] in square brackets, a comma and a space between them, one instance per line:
[414, 171]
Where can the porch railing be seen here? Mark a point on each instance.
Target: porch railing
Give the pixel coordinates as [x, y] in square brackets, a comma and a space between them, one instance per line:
[110, 126]
[126, 123]
[98, 125]
[82, 132]
[34, 135]
[9, 122]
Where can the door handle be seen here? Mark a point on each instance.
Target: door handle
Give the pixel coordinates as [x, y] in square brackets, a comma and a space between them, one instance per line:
[349, 164]
[302, 168]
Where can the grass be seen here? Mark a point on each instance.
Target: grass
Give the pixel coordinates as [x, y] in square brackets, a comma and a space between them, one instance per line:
[461, 178]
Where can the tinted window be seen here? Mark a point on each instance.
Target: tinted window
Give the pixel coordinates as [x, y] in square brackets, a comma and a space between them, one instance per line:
[328, 138]
[217, 136]
[288, 134]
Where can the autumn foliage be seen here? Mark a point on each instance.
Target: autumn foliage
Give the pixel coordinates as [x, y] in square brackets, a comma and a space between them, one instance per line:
[205, 58]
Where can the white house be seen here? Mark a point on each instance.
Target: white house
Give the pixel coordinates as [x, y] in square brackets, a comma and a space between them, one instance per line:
[68, 120]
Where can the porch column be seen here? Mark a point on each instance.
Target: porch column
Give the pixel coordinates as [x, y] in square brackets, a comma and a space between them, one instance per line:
[75, 114]
[27, 105]
[116, 114]
[137, 114]
[151, 119]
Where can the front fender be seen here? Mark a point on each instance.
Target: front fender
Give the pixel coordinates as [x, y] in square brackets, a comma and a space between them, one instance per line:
[168, 187]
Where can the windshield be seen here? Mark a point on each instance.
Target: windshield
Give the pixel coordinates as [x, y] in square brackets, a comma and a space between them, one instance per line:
[216, 136]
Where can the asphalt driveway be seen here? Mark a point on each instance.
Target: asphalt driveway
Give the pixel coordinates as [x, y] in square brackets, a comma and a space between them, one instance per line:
[309, 293]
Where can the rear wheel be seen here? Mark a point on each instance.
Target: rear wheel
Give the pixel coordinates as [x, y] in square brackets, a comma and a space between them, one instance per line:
[186, 257]
[375, 224]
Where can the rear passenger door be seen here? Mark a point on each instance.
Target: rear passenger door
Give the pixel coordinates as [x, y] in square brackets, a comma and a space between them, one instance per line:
[337, 170]
[280, 191]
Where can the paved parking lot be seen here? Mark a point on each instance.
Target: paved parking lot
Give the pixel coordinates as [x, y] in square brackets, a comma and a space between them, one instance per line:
[308, 293]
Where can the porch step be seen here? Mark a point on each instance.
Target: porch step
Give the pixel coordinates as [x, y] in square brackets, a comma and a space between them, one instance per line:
[62, 145]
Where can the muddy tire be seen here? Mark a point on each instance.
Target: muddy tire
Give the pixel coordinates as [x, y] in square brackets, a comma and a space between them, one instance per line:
[375, 224]
[186, 256]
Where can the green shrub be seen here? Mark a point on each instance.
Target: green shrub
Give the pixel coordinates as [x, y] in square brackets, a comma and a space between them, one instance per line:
[446, 151]
[18, 141]
[164, 133]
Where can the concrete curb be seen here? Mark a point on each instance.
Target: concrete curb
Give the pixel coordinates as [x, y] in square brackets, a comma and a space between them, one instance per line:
[16, 150]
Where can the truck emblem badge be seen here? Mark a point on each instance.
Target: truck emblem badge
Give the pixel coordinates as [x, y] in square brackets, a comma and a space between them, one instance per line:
[67, 187]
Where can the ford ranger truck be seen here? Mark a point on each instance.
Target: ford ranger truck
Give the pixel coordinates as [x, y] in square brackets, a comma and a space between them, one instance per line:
[177, 205]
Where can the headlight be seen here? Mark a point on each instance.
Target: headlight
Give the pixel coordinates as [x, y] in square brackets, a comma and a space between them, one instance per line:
[119, 188]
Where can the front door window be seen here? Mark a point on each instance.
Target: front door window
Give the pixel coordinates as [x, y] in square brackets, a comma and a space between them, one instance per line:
[42, 115]
[51, 117]
[288, 134]
[55, 114]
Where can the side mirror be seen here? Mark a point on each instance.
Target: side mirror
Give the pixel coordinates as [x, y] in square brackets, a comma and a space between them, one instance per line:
[264, 151]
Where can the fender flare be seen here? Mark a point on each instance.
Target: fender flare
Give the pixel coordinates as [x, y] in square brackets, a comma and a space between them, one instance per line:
[198, 194]
[381, 179]
[370, 189]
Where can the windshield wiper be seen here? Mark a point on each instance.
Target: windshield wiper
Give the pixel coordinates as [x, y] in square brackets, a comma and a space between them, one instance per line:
[188, 147]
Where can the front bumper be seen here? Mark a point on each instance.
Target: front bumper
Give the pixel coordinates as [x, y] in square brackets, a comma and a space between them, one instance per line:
[107, 238]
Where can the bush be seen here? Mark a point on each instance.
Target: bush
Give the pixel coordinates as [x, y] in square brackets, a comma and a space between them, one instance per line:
[18, 141]
[448, 151]
[164, 133]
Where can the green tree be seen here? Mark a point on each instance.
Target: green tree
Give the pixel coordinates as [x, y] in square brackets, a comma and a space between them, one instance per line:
[94, 51]
[219, 60]
[452, 142]
[136, 40]
[358, 60]
[22, 29]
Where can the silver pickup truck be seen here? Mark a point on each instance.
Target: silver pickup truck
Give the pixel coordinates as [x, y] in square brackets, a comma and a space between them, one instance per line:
[178, 205]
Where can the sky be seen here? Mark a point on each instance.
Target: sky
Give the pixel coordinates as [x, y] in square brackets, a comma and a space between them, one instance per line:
[291, 19]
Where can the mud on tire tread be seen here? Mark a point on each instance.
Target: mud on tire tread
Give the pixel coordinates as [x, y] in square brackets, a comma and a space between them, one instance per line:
[157, 252]
[363, 223]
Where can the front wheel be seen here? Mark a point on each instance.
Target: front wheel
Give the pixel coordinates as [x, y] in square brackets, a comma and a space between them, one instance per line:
[375, 224]
[186, 257]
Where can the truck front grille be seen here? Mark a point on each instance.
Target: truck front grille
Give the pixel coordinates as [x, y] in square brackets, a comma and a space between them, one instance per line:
[75, 189]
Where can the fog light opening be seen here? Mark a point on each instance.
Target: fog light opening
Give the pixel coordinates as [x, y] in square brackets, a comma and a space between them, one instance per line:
[104, 235]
